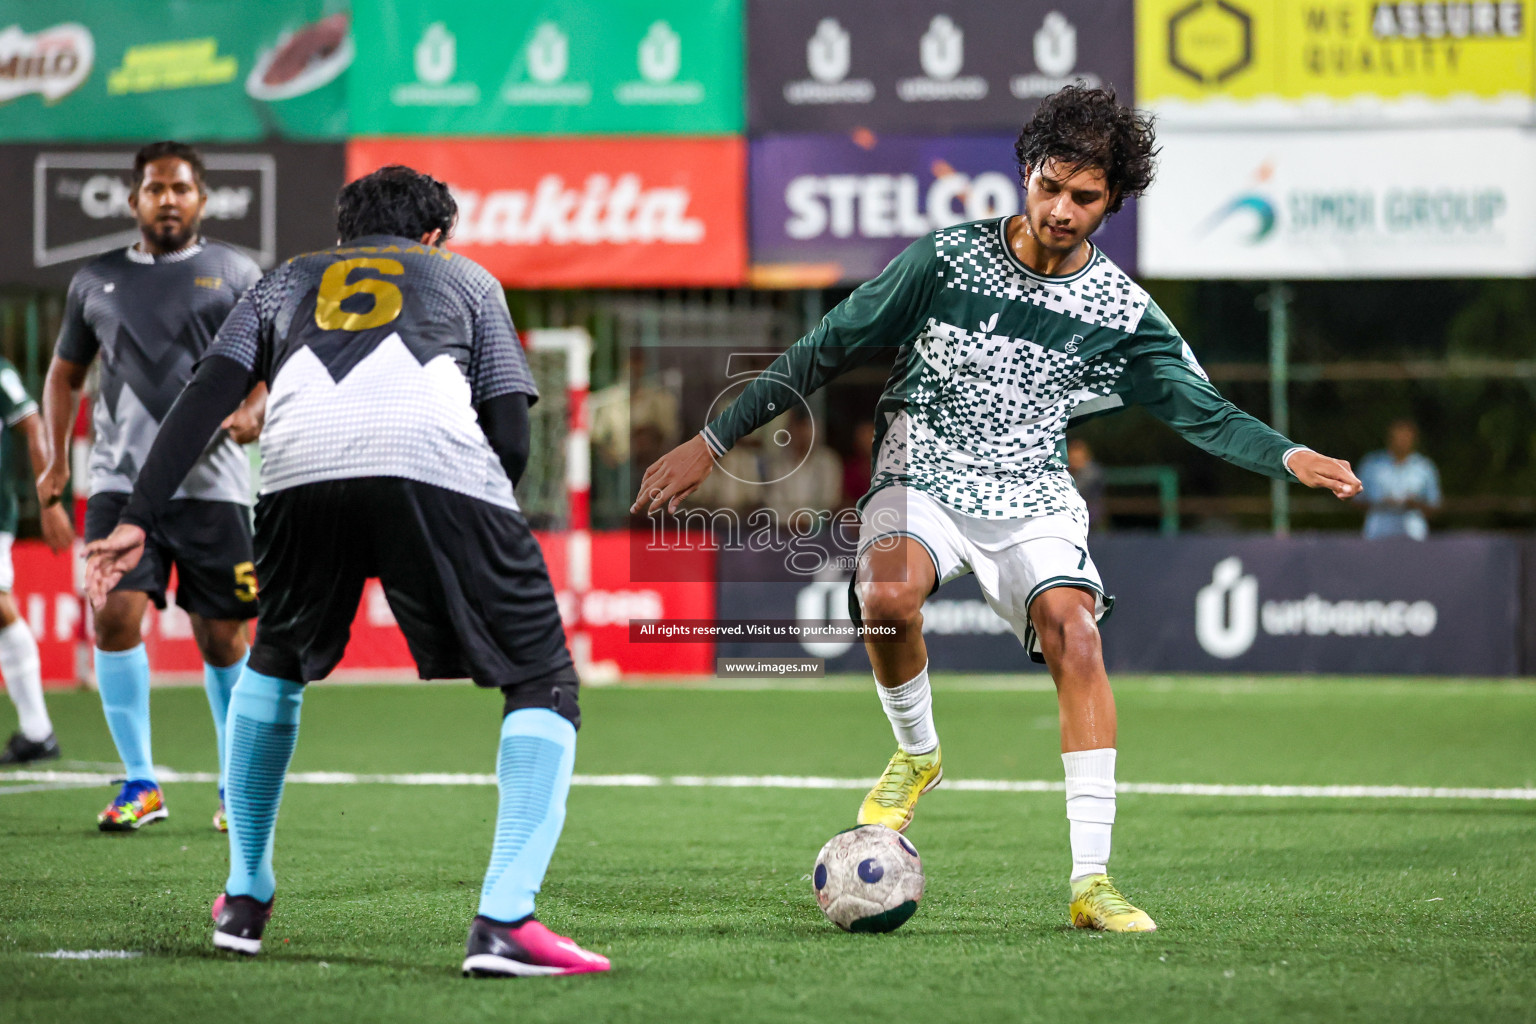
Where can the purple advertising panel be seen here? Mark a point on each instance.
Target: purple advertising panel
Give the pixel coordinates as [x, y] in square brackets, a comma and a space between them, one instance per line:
[926, 65]
[836, 208]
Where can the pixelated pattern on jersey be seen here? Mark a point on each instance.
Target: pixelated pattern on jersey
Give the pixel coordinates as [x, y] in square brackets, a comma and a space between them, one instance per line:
[985, 419]
[410, 412]
[972, 258]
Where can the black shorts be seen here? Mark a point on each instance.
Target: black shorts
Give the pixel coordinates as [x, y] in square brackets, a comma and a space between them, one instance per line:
[209, 543]
[465, 579]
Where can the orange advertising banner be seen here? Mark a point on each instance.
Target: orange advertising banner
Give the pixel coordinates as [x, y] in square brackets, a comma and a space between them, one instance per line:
[578, 213]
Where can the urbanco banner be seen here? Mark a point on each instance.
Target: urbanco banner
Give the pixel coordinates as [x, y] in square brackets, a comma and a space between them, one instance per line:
[70, 203]
[838, 208]
[544, 67]
[574, 213]
[921, 66]
[1283, 63]
[1342, 204]
[1445, 606]
[190, 69]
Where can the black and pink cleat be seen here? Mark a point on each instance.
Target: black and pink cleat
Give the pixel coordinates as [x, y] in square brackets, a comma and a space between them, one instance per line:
[525, 949]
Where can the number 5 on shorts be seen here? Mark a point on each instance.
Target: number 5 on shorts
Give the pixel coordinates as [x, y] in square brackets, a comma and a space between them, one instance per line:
[245, 581]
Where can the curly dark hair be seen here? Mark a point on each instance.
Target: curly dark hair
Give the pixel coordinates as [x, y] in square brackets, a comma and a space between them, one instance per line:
[395, 200]
[1083, 127]
[159, 151]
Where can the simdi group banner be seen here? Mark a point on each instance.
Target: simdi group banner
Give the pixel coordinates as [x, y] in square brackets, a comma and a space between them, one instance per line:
[541, 67]
[548, 213]
[838, 208]
[922, 66]
[193, 69]
[68, 204]
[1285, 63]
[1339, 204]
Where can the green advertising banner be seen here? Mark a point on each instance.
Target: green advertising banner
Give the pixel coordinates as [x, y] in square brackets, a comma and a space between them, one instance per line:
[548, 67]
[192, 69]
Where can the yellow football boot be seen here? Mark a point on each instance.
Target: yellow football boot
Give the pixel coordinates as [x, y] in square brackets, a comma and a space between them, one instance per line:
[894, 797]
[1096, 903]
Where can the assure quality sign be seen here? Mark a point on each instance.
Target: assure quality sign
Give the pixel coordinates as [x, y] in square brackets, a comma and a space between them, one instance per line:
[1270, 63]
[1342, 204]
[588, 212]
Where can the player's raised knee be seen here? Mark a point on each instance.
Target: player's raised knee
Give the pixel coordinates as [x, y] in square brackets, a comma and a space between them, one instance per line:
[896, 601]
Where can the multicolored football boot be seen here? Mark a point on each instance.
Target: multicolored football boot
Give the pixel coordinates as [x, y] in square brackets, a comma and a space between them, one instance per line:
[894, 799]
[220, 819]
[238, 922]
[138, 803]
[527, 949]
[1097, 904]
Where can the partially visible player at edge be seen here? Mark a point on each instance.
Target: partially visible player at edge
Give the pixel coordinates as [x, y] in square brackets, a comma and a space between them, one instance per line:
[1006, 329]
[149, 311]
[19, 663]
[397, 428]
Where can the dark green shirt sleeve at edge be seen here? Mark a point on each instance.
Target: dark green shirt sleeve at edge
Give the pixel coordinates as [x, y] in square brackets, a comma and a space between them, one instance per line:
[1166, 380]
[880, 315]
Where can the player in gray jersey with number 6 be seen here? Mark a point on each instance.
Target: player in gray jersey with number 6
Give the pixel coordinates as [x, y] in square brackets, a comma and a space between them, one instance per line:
[148, 312]
[1004, 331]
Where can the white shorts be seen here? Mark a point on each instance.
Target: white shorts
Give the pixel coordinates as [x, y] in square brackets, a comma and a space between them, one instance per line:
[7, 570]
[1015, 560]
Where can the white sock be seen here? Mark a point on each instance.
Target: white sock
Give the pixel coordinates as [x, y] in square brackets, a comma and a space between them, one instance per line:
[1090, 808]
[24, 680]
[910, 709]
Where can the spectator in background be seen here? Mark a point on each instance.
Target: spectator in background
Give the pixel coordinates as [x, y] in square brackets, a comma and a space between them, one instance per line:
[1088, 477]
[1399, 485]
[803, 474]
[637, 406]
[858, 465]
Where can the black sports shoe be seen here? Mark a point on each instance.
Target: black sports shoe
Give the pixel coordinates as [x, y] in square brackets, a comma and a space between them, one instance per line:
[21, 750]
[238, 922]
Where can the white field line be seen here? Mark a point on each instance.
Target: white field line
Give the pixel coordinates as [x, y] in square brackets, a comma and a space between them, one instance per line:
[63, 778]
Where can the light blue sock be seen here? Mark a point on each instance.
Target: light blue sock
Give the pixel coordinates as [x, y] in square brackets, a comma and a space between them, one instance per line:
[533, 772]
[262, 728]
[122, 677]
[218, 683]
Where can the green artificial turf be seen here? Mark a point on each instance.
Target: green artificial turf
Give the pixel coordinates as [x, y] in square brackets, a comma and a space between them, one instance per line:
[1271, 909]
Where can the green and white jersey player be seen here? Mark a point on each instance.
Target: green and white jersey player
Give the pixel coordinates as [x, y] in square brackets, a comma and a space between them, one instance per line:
[1004, 332]
[33, 739]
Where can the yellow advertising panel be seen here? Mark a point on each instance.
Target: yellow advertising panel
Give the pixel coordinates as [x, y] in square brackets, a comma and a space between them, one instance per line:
[1298, 62]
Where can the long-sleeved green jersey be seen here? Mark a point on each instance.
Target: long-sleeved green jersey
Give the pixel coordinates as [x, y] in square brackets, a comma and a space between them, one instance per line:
[993, 361]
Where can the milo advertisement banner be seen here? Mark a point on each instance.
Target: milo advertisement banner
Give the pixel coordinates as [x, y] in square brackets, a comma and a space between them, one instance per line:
[837, 208]
[138, 70]
[924, 65]
[541, 67]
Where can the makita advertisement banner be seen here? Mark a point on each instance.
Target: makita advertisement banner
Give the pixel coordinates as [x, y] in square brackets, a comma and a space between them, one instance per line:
[1446, 606]
[575, 213]
[922, 66]
[830, 208]
[70, 203]
[189, 69]
[544, 67]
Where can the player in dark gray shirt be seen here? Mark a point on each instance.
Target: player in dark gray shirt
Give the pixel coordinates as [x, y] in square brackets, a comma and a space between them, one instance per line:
[148, 312]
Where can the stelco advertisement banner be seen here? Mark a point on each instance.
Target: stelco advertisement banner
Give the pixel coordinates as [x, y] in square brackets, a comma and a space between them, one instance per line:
[541, 67]
[837, 208]
[70, 203]
[192, 69]
[1342, 204]
[925, 66]
[588, 212]
[1270, 63]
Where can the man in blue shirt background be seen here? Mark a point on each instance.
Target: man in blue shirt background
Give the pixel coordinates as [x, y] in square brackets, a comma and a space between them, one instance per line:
[1400, 485]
